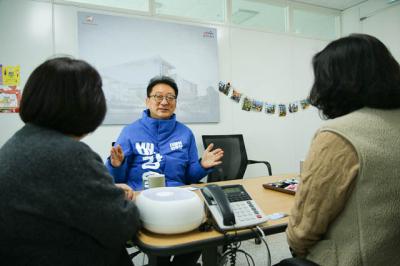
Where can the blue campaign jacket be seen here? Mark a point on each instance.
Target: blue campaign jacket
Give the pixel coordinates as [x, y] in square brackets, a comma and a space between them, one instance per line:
[164, 146]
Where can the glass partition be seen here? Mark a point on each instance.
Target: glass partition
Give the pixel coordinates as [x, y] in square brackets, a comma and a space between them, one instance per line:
[270, 15]
[207, 10]
[316, 24]
[136, 5]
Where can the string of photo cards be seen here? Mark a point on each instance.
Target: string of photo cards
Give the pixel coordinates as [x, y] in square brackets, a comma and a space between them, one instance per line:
[250, 104]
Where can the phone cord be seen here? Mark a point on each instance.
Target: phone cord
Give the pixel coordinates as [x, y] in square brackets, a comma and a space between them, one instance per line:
[232, 254]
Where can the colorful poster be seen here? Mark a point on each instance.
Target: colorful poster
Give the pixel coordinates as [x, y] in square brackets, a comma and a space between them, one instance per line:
[1, 74]
[11, 75]
[10, 97]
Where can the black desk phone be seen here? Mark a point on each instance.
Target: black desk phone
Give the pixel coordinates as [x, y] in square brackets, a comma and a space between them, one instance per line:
[232, 207]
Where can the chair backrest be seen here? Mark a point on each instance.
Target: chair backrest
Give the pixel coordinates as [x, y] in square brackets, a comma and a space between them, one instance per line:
[234, 162]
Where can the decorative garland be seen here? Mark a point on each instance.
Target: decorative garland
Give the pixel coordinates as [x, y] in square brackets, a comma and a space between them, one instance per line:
[250, 104]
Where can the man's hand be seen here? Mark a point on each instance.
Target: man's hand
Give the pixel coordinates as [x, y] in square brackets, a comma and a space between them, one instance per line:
[116, 156]
[129, 193]
[211, 157]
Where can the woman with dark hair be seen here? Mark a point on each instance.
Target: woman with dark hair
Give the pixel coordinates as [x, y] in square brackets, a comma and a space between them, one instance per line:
[58, 203]
[347, 208]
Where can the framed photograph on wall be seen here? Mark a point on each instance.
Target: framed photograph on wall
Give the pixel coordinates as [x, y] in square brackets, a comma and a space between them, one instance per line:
[128, 52]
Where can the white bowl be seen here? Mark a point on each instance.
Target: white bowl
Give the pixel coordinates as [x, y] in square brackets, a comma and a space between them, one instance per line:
[170, 210]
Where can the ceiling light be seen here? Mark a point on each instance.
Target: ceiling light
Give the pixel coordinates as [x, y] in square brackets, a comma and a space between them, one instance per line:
[243, 15]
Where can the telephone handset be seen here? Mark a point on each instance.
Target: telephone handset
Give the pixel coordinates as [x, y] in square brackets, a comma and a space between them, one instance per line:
[232, 207]
[215, 196]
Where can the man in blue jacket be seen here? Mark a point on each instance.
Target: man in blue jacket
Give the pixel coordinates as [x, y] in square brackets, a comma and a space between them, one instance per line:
[159, 143]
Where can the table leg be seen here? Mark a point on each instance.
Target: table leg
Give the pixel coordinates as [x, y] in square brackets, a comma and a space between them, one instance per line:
[152, 260]
[210, 256]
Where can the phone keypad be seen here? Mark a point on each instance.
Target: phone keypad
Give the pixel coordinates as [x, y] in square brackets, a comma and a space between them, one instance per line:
[245, 211]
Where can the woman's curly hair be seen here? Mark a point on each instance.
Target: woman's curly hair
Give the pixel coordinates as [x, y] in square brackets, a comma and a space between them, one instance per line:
[355, 72]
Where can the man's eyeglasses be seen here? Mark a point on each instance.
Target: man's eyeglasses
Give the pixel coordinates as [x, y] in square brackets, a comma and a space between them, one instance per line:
[160, 98]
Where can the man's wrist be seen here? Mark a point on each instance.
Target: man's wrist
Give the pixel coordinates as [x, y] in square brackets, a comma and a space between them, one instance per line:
[200, 162]
[113, 166]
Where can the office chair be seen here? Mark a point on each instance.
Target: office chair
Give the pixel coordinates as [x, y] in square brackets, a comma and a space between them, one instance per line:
[234, 162]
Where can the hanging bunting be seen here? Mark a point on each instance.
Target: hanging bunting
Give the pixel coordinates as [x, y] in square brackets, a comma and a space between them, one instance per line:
[224, 88]
[236, 95]
[247, 103]
[270, 108]
[257, 105]
[250, 104]
[305, 104]
[293, 107]
[282, 109]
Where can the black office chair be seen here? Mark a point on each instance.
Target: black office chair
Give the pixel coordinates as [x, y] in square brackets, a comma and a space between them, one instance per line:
[234, 162]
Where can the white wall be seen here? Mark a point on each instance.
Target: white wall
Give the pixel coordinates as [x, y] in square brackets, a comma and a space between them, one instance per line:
[25, 40]
[376, 18]
[264, 66]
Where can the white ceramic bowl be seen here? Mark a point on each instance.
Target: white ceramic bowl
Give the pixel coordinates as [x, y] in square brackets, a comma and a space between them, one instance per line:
[170, 210]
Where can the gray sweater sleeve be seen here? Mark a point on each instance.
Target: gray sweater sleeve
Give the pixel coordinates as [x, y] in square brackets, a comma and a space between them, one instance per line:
[58, 199]
[105, 213]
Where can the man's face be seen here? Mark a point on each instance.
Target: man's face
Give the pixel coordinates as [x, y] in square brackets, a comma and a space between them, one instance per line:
[162, 101]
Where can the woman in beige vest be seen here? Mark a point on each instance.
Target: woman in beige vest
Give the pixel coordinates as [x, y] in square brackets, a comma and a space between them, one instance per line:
[347, 209]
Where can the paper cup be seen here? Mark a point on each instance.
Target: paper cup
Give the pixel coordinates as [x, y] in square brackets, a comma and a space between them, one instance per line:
[156, 181]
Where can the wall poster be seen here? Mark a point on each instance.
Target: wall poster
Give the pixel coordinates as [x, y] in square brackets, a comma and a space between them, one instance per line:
[10, 93]
[128, 52]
